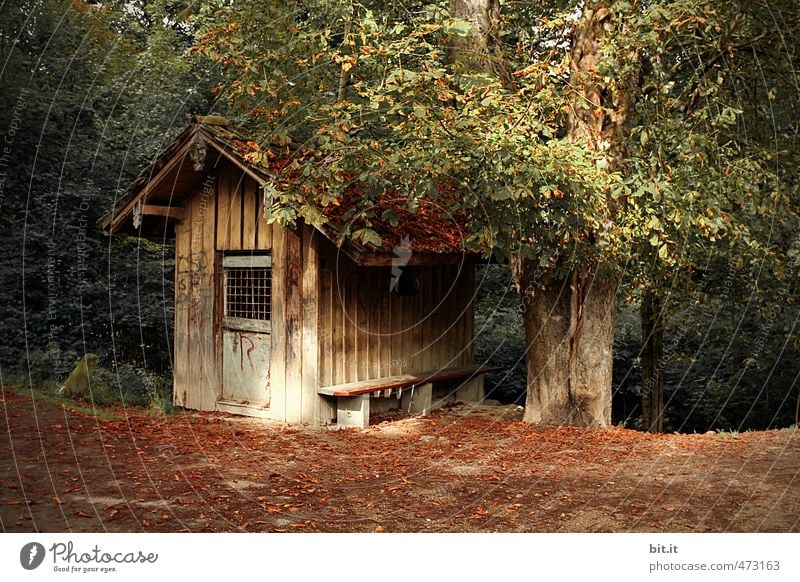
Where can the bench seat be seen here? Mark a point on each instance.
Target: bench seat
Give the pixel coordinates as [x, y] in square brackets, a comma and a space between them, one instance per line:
[353, 398]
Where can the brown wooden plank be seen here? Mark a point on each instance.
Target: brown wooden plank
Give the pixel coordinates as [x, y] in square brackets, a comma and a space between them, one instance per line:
[417, 324]
[219, 309]
[263, 228]
[457, 336]
[396, 328]
[235, 210]
[324, 314]
[294, 332]
[462, 291]
[180, 364]
[447, 300]
[406, 380]
[337, 324]
[223, 206]
[172, 212]
[385, 324]
[249, 217]
[469, 316]
[373, 325]
[361, 293]
[314, 409]
[257, 218]
[207, 338]
[194, 374]
[435, 332]
[407, 306]
[449, 312]
[425, 293]
[192, 310]
[277, 374]
[349, 318]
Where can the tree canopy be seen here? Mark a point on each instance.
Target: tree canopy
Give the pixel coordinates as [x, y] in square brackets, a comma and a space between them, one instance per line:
[693, 163]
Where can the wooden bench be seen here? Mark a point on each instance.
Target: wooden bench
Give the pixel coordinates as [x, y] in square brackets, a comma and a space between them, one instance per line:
[414, 390]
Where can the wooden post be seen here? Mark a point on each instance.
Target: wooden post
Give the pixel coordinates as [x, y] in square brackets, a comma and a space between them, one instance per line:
[313, 408]
[293, 316]
[277, 370]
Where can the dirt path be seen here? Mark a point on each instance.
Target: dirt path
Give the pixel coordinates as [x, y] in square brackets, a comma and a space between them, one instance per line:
[456, 470]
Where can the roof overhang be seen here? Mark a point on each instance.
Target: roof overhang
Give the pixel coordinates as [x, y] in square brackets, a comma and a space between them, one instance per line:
[156, 197]
[160, 189]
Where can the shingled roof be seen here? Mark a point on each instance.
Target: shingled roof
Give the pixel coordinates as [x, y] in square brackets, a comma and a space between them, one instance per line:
[430, 232]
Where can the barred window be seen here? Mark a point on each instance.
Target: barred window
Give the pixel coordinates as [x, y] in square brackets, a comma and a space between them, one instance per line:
[248, 286]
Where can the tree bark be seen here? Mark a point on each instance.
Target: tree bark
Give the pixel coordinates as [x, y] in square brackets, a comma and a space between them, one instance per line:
[600, 111]
[652, 362]
[480, 49]
[569, 334]
[344, 74]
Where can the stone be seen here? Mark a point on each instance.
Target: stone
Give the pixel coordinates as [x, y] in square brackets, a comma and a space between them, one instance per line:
[78, 382]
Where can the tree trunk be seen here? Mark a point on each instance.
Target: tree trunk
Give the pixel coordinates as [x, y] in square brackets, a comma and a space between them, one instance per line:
[600, 110]
[344, 73]
[569, 322]
[652, 362]
[569, 334]
[480, 50]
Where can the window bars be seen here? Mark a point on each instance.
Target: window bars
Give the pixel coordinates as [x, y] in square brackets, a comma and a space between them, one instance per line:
[248, 287]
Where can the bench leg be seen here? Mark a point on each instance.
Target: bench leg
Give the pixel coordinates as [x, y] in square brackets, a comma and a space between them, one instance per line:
[353, 411]
[418, 400]
[471, 390]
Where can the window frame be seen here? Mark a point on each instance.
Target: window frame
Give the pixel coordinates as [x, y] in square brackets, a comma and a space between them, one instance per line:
[248, 261]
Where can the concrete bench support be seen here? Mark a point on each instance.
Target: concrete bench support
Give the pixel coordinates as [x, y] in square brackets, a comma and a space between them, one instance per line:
[418, 399]
[353, 411]
[471, 390]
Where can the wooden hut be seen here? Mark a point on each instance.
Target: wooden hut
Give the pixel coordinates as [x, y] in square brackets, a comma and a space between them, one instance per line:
[284, 323]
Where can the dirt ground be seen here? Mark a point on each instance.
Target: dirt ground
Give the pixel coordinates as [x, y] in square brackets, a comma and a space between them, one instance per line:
[456, 470]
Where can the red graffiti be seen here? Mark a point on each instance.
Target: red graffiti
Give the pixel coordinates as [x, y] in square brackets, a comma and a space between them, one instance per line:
[243, 337]
[294, 273]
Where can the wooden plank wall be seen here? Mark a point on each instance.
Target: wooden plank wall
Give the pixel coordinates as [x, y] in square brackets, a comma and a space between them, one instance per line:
[195, 368]
[367, 332]
[294, 361]
[240, 223]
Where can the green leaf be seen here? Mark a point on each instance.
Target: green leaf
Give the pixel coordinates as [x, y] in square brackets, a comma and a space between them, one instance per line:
[501, 193]
[654, 223]
[368, 236]
[390, 216]
[458, 27]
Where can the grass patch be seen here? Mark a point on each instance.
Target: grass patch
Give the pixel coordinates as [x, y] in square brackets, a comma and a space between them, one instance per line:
[731, 433]
[51, 396]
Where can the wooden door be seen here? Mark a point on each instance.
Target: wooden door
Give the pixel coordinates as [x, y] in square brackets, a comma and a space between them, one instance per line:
[246, 329]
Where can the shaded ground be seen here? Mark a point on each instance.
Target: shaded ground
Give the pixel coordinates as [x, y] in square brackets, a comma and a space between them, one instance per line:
[461, 469]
